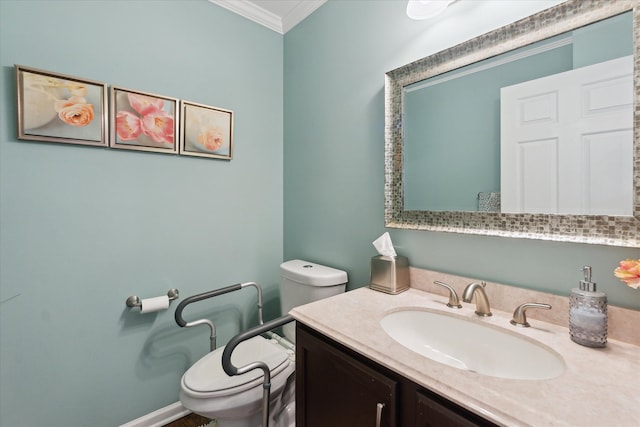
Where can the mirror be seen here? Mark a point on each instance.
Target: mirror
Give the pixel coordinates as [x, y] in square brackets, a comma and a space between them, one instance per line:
[549, 27]
[524, 111]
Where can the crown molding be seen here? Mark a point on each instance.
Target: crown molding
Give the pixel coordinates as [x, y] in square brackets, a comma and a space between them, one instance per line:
[300, 12]
[253, 12]
[268, 19]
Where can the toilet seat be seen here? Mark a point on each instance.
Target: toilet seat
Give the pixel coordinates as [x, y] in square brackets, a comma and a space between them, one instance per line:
[207, 379]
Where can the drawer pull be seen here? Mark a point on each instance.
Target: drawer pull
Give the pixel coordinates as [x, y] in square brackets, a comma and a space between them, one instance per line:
[379, 408]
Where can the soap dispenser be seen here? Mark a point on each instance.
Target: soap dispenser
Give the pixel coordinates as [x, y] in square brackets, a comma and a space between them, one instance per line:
[588, 313]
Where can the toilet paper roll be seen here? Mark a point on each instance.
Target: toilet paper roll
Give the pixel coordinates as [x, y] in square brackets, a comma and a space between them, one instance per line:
[149, 305]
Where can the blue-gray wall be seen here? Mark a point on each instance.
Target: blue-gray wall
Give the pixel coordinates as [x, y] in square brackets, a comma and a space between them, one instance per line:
[82, 228]
[603, 41]
[335, 63]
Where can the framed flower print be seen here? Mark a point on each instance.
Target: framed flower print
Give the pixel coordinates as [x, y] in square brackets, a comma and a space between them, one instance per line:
[206, 131]
[143, 121]
[55, 107]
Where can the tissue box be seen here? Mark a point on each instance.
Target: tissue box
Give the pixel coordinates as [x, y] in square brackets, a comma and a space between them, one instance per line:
[389, 274]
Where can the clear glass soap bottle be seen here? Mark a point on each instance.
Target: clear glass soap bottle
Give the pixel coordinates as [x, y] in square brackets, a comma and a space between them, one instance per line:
[588, 313]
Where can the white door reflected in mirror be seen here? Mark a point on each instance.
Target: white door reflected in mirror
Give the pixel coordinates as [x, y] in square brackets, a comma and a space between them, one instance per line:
[567, 142]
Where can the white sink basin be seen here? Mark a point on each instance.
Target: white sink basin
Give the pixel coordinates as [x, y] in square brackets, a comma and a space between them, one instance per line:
[473, 346]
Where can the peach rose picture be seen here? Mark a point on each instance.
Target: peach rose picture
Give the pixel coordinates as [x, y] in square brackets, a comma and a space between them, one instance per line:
[60, 108]
[142, 121]
[206, 131]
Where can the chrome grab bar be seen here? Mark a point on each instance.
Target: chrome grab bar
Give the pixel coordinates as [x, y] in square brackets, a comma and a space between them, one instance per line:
[210, 294]
[231, 370]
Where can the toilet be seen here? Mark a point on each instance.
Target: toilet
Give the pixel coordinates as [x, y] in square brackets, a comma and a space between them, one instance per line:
[236, 401]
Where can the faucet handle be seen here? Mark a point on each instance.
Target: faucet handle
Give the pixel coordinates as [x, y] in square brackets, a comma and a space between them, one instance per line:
[519, 316]
[454, 302]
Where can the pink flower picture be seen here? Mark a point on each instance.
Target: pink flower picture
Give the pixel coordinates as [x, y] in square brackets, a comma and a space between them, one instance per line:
[128, 126]
[142, 121]
[206, 131]
[159, 126]
[59, 108]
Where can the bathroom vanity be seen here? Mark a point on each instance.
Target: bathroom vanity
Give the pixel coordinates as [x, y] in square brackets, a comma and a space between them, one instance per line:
[338, 387]
[350, 372]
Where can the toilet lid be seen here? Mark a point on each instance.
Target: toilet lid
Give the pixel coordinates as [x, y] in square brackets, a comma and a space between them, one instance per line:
[207, 375]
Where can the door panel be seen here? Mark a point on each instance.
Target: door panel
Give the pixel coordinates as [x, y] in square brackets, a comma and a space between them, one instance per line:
[567, 142]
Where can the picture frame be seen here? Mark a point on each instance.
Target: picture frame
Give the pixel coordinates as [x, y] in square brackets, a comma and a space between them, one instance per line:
[206, 131]
[143, 121]
[55, 107]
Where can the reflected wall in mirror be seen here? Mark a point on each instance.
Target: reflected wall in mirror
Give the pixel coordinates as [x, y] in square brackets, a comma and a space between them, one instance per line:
[443, 171]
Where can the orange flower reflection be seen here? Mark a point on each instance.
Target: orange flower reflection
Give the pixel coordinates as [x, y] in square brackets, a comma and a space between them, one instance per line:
[628, 271]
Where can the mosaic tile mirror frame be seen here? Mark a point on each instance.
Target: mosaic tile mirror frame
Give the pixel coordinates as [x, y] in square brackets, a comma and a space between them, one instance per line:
[593, 229]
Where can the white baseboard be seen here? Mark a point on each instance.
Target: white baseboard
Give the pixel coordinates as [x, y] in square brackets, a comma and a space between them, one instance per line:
[160, 417]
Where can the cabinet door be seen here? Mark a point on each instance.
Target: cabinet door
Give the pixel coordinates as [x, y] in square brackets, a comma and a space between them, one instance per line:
[434, 412]
[333, 389]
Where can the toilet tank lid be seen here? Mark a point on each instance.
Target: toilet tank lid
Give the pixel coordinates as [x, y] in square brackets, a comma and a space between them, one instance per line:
[309, 273]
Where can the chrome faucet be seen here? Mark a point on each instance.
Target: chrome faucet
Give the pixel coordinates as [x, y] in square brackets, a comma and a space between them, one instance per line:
[482, 302]
[453, 296]
[519, 316]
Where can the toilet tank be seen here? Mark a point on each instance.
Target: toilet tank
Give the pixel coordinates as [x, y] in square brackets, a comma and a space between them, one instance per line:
[302, 282]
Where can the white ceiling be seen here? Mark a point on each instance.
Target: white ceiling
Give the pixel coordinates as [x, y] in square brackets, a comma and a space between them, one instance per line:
[277, 15]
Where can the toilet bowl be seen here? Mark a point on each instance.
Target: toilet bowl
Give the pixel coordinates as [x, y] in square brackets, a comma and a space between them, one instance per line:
[236, 401]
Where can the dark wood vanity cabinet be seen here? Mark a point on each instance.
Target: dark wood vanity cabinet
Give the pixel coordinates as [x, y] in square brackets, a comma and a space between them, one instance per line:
[338, 387]
[334, 389]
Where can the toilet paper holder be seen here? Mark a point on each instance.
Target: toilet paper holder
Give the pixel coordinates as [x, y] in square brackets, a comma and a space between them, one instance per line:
[135, 301]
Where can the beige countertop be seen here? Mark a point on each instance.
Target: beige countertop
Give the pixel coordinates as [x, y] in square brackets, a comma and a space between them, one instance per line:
[600, 387]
